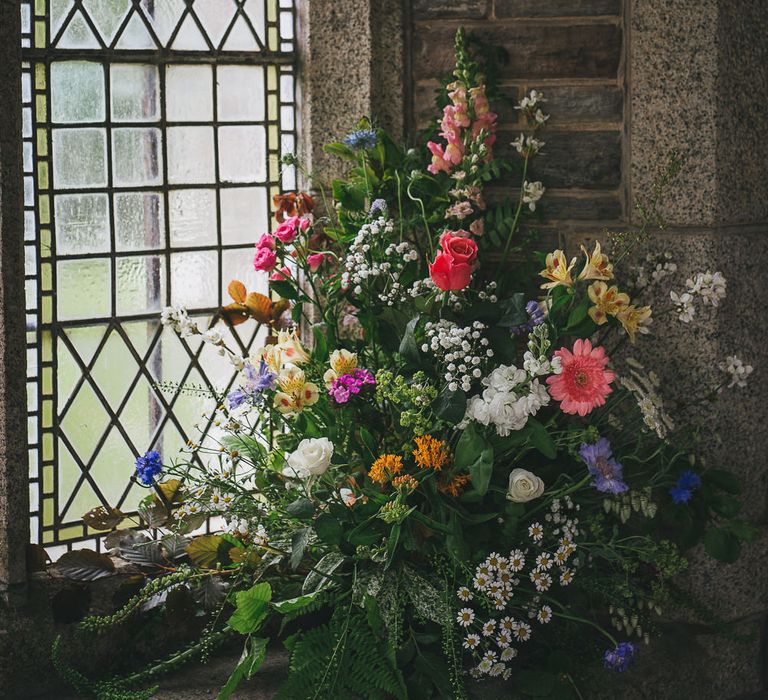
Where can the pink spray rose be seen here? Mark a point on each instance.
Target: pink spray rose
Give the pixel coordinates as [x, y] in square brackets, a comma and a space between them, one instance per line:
[288, 230]
[282, 274]
[265, 257]
[316, 260]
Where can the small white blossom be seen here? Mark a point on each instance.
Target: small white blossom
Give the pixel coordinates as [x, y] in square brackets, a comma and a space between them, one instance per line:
[737, 371]
[532, 193]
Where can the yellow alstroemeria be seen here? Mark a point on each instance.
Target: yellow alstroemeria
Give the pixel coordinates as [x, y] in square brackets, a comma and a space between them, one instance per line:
[272, 355]
[558, 270]
[296, 393]
[293, 350]
[635, 319]
[597, 265]
[608, 301]
[342, 362]
[291, 379]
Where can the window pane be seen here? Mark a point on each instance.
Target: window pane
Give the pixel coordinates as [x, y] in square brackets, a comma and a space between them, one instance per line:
[192, 217]
[79, 158]
[139, 221]
[134, 92]
[77, 91]
[136, 158]
[82, 223]
[189, 91]
[242, 154]
[190, 155]
[240, 93]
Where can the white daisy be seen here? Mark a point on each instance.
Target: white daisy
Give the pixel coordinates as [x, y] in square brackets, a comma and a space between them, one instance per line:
[465, 617]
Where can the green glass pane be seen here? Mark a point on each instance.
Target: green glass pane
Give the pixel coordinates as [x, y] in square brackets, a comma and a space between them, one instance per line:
[85, 422]
[114, 370]
[113, 466]
[83, 289]
[79, 158]
[134, 92]
[107, 15]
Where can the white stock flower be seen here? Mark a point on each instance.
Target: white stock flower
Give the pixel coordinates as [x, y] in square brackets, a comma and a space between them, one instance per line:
[737, 370]
[311, 457]
[683, 305]
[524, 486]
[532, 193]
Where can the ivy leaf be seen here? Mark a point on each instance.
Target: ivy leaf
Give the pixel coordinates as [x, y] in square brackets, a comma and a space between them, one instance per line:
[84, 565]
[102, 518]
[251, 608]
[299, 543]
[722, 545]
[254, 653]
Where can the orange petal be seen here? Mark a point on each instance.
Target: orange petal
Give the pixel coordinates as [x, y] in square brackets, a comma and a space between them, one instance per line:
[237, 291]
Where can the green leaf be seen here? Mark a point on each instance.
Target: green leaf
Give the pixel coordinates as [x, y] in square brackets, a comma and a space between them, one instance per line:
[541, 439]
[293, 604]
[578, 314]
[450, 405]
[481, 471]
[368, 441]
[319, 577]
[299, 543]
[251, 608]
[394, 537]
[469, 447]
[727, 506]
[301, 508]
[204, 550]
[320, 334]
[341, 150]
[254, 653]
[722, 545]
[285, 289]
[743, 530]
[328, 529]
[513, 311]
[722, 479]
[408, 347]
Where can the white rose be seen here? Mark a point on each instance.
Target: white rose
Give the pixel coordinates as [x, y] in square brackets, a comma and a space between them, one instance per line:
[524, 486]
[311, 458]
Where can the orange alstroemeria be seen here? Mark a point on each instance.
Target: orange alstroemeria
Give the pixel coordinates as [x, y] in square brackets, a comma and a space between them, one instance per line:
[608, 301]
[558, 270]
[597, 265]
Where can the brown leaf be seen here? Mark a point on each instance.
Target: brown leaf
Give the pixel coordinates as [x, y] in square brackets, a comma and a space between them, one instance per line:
[37, 558]
[240, 555]
[84, 565]
[235, 314]
[259, 306]
[171, 491]
[237, 291]
[101, 518]
[279, 308]
[204, 550]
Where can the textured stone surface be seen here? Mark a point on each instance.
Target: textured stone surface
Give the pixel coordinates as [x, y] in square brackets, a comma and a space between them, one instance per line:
[573, 50]
[556, 8]
[439, 9]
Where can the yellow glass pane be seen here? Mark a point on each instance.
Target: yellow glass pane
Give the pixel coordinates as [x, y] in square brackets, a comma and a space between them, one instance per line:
[48, 414]
[273, 138]
[271, 78]
[40, 35]
[47, 537]
[274, 168]
[45, 242]
[47, 310]
[47, 375]
[40, 8]
[47, 446]
[42, 142]
[46, 271]
[42, 108]
[48, 479]
[40, 76]
[31, 338]
[272, 42]
[272, 11]
[44, 209]
[42, 175]
[45, 350]
[272, 107]
[73, 531]
[47, 512]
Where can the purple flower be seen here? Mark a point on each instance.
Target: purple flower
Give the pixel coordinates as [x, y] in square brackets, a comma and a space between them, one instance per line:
[148, 466]
[361, 140]
[344, 387]
[682, 491]
[601, 464]
[535, 318]
[620, 658]
[379, 206]
[256, 382]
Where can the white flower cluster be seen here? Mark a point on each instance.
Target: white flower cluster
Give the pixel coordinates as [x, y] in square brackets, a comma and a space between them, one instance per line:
[737, 371]
[367, 259]
[645, 388]
[460, 300]
[176, 317]
[566, 524]
[532, 193]
[527, 145]
[709, 286]
[529, 105]
[460, 351]
[422, 287]
[661, 266]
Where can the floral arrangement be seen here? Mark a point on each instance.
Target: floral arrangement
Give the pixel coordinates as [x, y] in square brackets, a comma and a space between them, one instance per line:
[439, 469]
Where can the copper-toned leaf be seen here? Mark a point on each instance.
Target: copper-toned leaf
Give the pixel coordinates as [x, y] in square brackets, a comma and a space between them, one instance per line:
[279, 308]
[260, 307]
[37, 558]
[101, 518]
[235, 314]
[241, 555]
[237, 291]
[204, 550]
[171, 491]
[84, 565]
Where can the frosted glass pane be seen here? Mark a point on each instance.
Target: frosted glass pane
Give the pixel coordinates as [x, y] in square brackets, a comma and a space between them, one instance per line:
[77, 91]
[242, 154]
[215, 16]
[136, 156]
[240, 93]
[29, 226]
[244, 215]
[78, 35]
[139, 220]
[190, 154]
[79, 158]
[286, 88]
[82, 223]
[82, 289]
[192, 217]
[140, 284]
[238, 265]
[134, 92]
[163, 15]
[107, 15]
[26, 87]
[189, 93]
[189, 38]
[287, 118]
[195, 279]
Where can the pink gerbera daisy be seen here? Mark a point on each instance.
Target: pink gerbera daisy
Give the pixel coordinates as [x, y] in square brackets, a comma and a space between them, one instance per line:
[583, 384]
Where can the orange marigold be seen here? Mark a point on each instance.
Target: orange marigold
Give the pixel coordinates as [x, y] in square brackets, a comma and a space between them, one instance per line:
[431, 453]
[454, 487]
[385, 467]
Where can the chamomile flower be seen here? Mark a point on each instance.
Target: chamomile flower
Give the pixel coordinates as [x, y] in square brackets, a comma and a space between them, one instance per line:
[464, 594]
[544, 561]
[521, 631]
[566, 577]
[481, 582]
[471, 641]
[491, 656]
[504, 639]
[536, 532]
[502, 565]
[489, 628]
[497, 669]
[517, 559]
[544, 615]
[541, 580]
[484, 569]
[508, 654]
[493, 561]
[485, 665]
[465, 617]
[507, 623]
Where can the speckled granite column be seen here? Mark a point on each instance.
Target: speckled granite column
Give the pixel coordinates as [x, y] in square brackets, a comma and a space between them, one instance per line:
[351, 67]
[698, 82]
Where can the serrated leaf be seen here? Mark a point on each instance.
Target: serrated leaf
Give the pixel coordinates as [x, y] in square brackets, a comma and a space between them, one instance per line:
[102, 518]
[146, 553]
[211, 592]
[175, 546]
[251, 608]
[84, 565]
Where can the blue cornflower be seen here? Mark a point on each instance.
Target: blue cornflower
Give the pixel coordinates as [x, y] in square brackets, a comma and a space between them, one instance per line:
[148, 466]
[256, 382]
[682, 491]
[361, 140]
[379, 206]
[620, 658]
[601, 464]
[535, 318]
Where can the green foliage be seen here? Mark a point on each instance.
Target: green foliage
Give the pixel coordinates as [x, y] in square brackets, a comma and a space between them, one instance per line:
[251, 609]
[254, 653]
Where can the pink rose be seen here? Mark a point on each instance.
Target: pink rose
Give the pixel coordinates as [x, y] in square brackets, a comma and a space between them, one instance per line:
[460, 248]
[266, 241]
[282, 274]
[316, 260]
[452, 268]
[264, 260]
[288, 230]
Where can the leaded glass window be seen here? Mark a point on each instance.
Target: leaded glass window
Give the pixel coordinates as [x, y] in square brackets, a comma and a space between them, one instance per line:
[153, 131]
